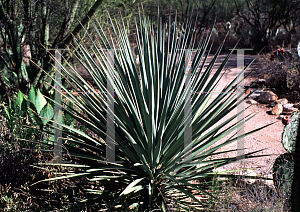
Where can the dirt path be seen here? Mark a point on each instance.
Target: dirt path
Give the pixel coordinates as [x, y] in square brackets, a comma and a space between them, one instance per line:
[268, 138]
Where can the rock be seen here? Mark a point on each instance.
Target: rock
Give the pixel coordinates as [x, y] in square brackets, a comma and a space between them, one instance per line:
[277, 109]
[272, 104]
[256, 94]
[288, 108]
[267, 97]
[252, 102]
[283, 101]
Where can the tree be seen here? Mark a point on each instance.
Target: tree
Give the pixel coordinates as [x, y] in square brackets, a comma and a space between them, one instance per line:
[266, 16]
[28, 24]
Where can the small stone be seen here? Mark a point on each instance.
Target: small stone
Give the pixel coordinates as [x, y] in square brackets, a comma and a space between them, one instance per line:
[252, 102]
[297, 105]
[272, 104]
[289, 108]
[283, 101]
[267, 97]
[277, 109]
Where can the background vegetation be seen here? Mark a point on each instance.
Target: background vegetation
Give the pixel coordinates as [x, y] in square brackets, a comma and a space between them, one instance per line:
[27, 27]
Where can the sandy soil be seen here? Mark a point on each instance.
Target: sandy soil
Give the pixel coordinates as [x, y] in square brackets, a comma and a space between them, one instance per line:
[268, 138]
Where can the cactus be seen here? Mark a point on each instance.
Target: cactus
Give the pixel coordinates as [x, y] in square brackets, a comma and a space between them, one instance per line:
[289, 135]
[283, 168]
[283, 171]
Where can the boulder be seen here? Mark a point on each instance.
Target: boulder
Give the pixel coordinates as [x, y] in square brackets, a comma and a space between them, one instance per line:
[283, 101]
[267, 97]
[277, 109]
[255, 95]
[252, 102]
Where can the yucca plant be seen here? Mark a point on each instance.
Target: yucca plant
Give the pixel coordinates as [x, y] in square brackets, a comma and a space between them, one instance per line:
[154, 167]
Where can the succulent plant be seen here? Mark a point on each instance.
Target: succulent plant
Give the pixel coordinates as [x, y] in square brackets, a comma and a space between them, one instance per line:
[283, 167]
[289, 135]
[283, 170]
[148, 119]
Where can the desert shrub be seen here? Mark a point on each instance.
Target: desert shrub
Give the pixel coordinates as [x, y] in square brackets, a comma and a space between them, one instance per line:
[281, 71]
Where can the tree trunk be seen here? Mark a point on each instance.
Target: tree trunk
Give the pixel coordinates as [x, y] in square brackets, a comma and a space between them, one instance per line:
[84, 21]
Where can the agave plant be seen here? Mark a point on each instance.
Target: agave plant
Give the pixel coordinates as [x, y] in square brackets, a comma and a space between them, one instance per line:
[162, 155]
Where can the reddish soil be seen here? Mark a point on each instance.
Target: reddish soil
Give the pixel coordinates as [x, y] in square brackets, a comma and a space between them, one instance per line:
[268, 138]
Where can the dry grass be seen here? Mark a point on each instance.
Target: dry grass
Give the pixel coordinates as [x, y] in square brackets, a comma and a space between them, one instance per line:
[241, 195]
